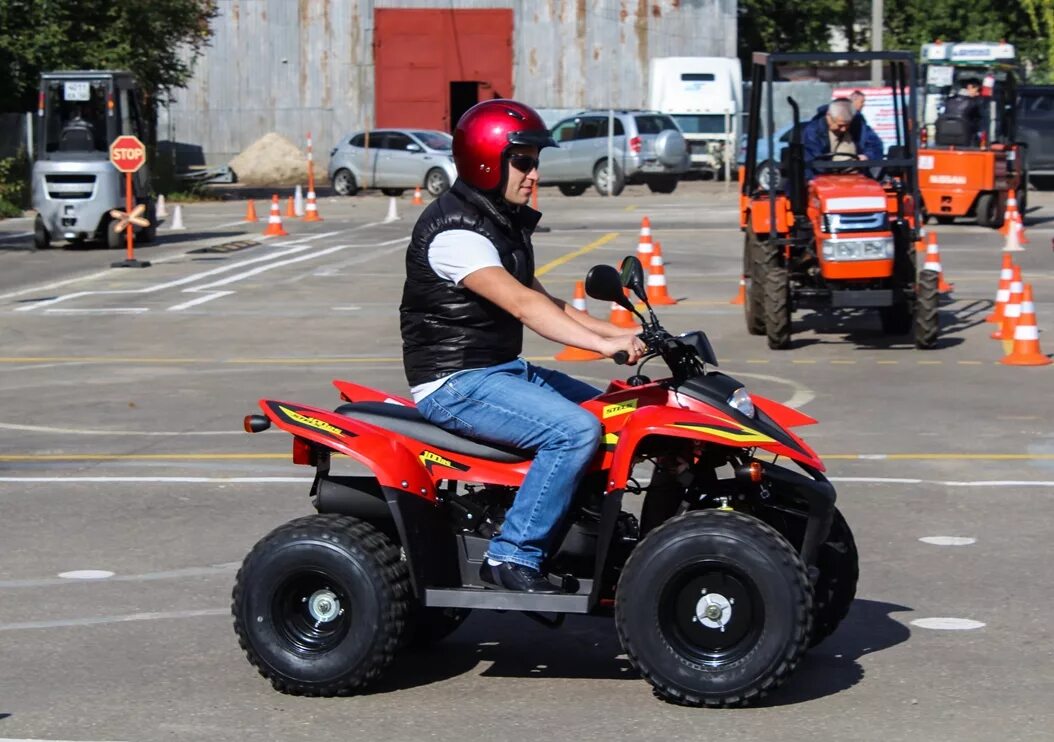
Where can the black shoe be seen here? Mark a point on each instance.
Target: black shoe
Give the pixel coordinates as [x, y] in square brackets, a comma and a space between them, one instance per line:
[517, 578]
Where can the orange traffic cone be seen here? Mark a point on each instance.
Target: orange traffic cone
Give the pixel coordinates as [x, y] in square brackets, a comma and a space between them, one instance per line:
[644, 249]
[311, 210]
[570, 353]
[274, 220]
[290, 209]
[933, 263]
[741, 295]
[620, 315]
[418, 201]
[250, 212]
[1008, 213]
[1002, 294]
[920, 243]
[1015, 235]
[1012, 310]
[1025, 351]
[657, 293]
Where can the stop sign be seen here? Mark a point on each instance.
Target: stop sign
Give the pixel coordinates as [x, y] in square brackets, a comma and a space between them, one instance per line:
[127, 154]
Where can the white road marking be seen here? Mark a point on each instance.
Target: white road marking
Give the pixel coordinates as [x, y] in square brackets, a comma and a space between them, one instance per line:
[62, 623]
[11, 236]
[171, 574]
[86, 574]
[948, 540]
[80, 431]
[199, 300]
[34, 739]
[106, 310]
[941, 623]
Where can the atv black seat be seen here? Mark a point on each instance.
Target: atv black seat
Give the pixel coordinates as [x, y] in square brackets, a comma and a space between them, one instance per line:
[408, 421]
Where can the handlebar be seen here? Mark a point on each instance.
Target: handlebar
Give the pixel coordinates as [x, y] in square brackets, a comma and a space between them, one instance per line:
[621, 357]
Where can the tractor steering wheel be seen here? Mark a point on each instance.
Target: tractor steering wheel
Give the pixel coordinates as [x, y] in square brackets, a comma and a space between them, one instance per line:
[851, 161]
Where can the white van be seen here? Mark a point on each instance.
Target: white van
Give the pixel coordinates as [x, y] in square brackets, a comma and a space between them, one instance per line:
[705, 96]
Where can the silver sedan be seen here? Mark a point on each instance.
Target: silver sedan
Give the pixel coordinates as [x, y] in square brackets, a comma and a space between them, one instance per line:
[394, 160]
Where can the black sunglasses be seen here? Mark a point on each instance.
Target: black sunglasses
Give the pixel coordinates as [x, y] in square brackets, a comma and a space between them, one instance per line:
[523, 163]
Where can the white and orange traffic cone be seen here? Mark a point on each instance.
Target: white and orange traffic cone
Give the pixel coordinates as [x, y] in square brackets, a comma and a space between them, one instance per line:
[418, 201]
[1025, 350]
[290, 209]
[274, 220]
[620, 315]
[933, 263]
[570, 353]
[298, 201]
[311, 210]
[1012, 309]
[657, 291]
[1015, 236]
[644, 243]
[250, 212]
[1002, 294]
[1008, 212]
[177, 220]
[161, 211]
[741, 295]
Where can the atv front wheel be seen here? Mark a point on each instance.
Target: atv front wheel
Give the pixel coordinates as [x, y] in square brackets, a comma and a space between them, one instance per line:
[927, 316]
[835, 589]
[320, 605]
[777, 304]
[714, 609]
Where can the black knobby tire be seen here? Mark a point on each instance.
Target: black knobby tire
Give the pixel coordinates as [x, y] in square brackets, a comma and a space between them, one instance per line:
[927, 314]
[987, 210]
[41, 237]
[320, 605]
[663, 184]
[344, 183]
[572, 189]
[704, 560]
[394, 192]
[436, 182]
[426, 626]
[754, 306]
[147, 235]
[600, 178]
[113, 240]
[835, 589]
[776, 287]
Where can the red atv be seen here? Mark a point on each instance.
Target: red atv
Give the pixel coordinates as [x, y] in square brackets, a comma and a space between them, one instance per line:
[735, 567]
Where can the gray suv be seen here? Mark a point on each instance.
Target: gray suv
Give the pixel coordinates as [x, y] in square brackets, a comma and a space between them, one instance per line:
[648, 148]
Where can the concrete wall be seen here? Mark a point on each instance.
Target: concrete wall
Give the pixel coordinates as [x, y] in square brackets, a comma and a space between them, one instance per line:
[293, 66]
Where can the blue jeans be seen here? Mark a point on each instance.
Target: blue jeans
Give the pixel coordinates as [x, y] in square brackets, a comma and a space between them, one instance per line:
[528, 407]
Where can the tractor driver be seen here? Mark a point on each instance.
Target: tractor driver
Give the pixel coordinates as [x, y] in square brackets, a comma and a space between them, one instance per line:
[470, 289]
[840, 131]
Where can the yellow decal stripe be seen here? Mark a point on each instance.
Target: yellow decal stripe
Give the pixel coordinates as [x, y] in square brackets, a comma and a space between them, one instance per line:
[747, 436]
[311, 422]
[619, 408]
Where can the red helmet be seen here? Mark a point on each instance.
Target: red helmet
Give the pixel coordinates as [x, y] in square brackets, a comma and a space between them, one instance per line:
[484, 133]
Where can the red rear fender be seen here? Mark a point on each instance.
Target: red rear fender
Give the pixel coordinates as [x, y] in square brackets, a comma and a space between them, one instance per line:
[352, 392]
[391, 462]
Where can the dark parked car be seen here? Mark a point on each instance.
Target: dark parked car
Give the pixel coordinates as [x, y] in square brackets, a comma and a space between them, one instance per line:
[1035, 126]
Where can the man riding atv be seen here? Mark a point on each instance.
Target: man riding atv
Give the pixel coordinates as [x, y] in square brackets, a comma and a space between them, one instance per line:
[470, 288]
[840, 131]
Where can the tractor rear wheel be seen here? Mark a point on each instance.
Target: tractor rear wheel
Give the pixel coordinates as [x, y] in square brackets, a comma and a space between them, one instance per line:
[927, 316]
[754, 306]
[777, 303]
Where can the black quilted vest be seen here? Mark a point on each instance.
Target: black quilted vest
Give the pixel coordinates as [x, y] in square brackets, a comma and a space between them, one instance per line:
[447, 328]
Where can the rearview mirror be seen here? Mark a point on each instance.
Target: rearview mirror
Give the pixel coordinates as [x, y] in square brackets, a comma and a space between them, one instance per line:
[413, 147]
[604, 283]
[632, 276]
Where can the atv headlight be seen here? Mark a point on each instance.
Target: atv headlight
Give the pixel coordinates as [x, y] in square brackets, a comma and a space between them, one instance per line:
[875, 248]
[741, 401]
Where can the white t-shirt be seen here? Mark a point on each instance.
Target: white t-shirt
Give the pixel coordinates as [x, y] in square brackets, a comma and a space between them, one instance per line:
[453, 255]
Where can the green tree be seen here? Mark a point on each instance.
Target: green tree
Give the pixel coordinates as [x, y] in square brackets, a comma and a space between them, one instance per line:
[158, 41]
[773, 25]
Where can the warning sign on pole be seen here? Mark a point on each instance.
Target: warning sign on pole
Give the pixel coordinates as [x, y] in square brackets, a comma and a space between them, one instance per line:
[128, 154]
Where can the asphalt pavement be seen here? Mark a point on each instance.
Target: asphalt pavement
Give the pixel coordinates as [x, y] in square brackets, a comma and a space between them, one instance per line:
[129, 493]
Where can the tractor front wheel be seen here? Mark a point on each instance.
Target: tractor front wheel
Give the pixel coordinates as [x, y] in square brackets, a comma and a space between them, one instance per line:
[777, 304]
[927, 316]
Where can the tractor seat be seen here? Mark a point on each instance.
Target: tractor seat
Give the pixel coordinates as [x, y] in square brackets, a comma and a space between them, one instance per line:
[409, 422]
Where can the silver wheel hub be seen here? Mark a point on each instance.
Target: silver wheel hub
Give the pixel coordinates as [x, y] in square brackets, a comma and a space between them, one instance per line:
[324, 606]
[713, 610]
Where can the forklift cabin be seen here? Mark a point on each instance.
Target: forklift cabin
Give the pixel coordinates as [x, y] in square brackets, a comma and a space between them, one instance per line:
[75, 186]
[967, 168]
[845, 238]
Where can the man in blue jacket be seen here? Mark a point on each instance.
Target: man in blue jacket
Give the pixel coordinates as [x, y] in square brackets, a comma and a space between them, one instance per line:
[837, 128]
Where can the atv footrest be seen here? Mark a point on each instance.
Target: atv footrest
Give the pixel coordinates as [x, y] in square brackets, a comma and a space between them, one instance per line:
[870, 298]
[503, 600]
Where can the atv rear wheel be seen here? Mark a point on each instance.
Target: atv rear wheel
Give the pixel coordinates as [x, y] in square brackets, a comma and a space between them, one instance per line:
[754, 306]
[320, 605]
[927, 316]
[714, 608]
[835, 589]
[777, 302]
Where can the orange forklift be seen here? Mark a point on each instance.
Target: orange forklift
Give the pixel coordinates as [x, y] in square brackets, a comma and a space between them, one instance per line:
[969, 159]
[828, 233]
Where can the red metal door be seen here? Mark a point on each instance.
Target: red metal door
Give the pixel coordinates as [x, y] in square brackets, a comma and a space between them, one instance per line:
[418, 53]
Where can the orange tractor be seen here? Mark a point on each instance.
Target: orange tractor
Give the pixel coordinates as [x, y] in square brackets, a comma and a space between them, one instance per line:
[829, 233]
[969, 159]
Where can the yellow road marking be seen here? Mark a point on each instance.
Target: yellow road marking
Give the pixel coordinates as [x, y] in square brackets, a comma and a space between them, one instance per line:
[887, 363]
[836, 362]
[631, 207]
[970, 363]
[803, 361]
[577, 253]
[929, 363]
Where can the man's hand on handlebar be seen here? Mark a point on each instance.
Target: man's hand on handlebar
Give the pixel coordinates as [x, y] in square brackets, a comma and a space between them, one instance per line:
[625, 350]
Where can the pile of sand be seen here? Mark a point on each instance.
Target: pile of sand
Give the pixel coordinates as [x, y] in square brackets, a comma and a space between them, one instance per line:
[272, 160]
